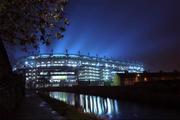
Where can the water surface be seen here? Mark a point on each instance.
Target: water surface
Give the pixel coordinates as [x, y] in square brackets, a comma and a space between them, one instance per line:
[113, 109]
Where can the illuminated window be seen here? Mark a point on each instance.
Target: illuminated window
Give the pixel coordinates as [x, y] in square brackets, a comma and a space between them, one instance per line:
[58, 77]
[43, 73]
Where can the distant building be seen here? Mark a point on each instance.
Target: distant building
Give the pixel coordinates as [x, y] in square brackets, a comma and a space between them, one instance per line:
[72, 69]
[143, 78]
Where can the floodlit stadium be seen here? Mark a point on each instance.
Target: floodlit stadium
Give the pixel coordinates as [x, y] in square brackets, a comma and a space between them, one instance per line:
[72, 69]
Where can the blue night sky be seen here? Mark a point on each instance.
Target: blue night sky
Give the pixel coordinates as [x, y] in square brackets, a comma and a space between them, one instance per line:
[143, 30]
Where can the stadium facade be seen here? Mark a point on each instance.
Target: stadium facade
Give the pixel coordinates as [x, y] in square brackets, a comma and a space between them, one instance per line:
[72, 69]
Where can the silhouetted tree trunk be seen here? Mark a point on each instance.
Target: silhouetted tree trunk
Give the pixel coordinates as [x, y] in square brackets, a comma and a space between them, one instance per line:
[5, 66]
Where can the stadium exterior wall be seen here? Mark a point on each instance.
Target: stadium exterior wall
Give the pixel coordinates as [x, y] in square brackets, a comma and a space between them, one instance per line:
[72, 69]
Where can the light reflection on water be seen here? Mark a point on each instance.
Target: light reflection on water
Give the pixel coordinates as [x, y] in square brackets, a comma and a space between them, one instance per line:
[89, 104]
[112, 108]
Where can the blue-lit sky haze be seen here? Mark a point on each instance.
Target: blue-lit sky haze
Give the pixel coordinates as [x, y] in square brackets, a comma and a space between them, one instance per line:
[144, 30]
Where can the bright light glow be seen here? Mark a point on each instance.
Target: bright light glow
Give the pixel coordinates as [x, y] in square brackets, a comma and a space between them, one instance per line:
[89, 68]
[58, 77]
[138, 75]
[91, 104]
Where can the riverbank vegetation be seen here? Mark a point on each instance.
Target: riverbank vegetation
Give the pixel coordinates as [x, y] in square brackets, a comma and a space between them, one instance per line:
[67, 111]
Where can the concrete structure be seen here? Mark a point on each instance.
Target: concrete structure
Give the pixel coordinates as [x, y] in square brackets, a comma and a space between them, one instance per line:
[72, 69]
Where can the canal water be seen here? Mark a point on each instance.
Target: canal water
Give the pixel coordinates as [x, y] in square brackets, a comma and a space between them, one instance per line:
[113, 109]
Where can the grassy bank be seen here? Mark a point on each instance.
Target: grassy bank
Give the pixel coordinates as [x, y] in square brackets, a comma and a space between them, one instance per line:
[68, 111]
